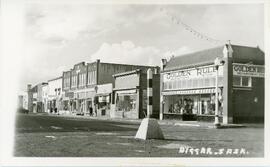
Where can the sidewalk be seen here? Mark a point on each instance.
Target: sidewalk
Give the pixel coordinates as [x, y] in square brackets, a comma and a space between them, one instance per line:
[161, 122]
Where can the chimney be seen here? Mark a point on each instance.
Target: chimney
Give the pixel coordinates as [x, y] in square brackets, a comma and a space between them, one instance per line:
[156, 70]
[163, 63]
[228, 42]
[228, 51]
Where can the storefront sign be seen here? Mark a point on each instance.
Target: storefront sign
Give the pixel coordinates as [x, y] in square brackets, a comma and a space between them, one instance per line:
[84, 93]
[248, 70]
[104, 99]
[90, 94]
[206, 71]
[51, 97]
[104, 89]
[69, 94]
[132, 91]
[186, 92]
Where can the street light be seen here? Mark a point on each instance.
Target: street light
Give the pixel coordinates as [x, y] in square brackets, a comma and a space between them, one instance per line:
[218, 62]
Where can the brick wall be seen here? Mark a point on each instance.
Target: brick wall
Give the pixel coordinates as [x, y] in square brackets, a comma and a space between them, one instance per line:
[121, 82]
[106, 70]
[245, 108]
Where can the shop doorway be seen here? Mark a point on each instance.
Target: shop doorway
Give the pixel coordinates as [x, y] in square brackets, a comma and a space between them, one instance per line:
[89, 107]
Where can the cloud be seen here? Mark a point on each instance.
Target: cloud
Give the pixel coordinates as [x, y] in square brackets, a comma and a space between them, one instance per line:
[64, 34]
[127, 52]
[69, 22]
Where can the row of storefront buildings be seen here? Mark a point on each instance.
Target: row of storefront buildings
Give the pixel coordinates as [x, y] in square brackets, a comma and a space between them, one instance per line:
[184, 87]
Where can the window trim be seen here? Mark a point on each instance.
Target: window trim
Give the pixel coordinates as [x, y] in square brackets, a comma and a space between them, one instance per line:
[241, 82]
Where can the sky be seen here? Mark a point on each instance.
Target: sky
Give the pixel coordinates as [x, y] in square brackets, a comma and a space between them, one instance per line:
[57, 36]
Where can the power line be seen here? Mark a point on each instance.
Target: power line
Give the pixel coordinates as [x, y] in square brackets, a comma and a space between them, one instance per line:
[189, 28]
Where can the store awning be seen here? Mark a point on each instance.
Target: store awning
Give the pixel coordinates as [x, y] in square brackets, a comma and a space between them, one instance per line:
[85, 95]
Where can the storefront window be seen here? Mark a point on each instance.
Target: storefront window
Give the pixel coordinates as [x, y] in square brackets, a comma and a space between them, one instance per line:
[104, 102]
[65, 105]
[126, 102]
[184, 83]
[195, 83]
[242, 81]
[170, 85]
[207, 105]
[245, 81]
[191, 104]
[182, 105]
[207, 82]
[173, 84]
[179, 85]
[236, 81]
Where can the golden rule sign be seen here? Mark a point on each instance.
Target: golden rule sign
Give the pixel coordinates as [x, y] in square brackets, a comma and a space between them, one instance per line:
[200, 72]
[248, 70]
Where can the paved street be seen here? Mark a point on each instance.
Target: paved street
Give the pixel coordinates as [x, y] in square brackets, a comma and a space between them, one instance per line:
[58, 136]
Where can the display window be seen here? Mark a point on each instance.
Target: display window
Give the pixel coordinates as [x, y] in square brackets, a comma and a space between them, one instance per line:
[191, 104]
[73, 105]
[103, 102]
[126, 102]
[65, 105]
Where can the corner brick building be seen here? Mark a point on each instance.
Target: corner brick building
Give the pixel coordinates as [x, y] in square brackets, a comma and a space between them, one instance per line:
[188, 85]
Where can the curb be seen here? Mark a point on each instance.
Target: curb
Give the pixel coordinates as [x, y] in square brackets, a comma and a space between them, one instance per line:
[206, 125]
[160, 122]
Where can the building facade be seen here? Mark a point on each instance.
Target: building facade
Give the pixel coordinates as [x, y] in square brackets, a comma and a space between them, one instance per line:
[130, 94]
[35, 98]
[30, 98]
[39, 96]
[88, 87]
[33, 94]
[44, 97]
[188, 85]
[23, 100]
[55, 94]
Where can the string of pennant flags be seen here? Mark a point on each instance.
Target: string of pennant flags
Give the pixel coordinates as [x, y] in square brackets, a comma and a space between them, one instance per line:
[189, 28]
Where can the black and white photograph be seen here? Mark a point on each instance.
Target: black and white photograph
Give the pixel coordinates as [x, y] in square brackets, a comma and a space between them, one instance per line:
[134, 83]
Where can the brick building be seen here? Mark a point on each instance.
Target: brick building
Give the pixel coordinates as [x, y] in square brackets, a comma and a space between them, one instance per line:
[188, 85]
[130, 94]
[88, 87]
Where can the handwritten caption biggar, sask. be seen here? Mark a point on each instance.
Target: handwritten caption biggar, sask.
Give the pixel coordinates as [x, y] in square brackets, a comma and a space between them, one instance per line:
[210, 151]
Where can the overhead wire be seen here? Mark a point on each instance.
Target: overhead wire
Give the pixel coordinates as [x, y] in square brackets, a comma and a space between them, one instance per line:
[188, 28]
